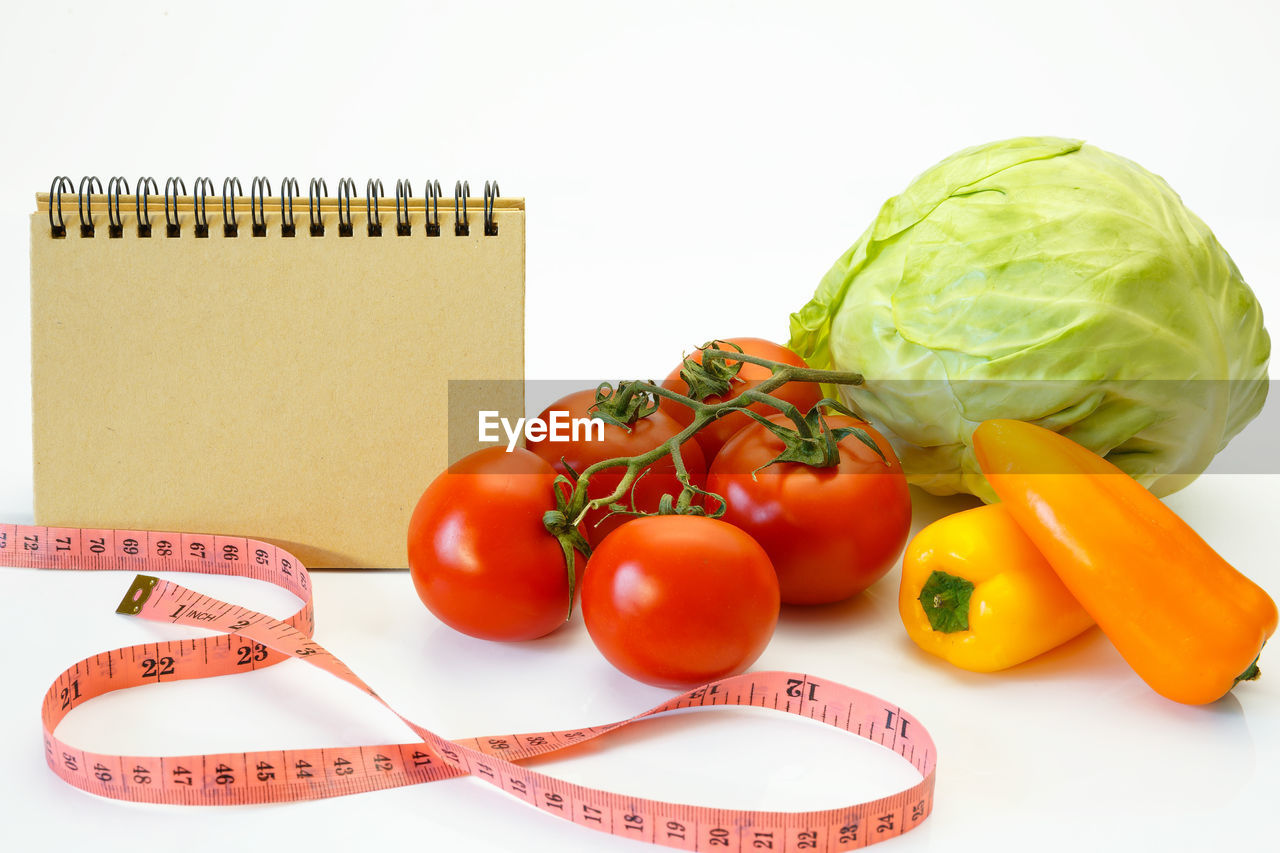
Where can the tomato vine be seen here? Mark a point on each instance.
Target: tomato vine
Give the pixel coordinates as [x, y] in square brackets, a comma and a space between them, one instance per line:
[811, 442]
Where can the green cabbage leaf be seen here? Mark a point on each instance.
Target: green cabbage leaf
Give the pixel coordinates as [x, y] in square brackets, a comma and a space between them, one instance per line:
[1050, 281]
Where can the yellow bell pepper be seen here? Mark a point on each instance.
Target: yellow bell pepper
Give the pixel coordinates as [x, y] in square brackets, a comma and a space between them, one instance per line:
[976, 592]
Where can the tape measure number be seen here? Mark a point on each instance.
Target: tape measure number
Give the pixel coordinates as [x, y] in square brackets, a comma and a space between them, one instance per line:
[249, 640]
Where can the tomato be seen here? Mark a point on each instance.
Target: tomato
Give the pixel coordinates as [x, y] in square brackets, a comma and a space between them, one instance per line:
[830, 532]
[480, 558]
[679, 600]
[712, 437]
[646, 433]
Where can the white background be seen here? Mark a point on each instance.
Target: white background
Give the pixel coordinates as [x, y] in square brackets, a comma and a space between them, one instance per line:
[691, 170]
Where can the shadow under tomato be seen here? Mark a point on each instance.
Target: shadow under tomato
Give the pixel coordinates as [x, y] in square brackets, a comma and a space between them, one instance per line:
[824, 618]
[439, 640]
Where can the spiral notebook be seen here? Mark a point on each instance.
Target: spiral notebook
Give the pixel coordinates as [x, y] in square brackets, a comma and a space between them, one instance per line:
[275, 366]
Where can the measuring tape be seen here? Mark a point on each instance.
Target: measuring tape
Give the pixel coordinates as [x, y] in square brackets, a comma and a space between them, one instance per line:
[249, 640]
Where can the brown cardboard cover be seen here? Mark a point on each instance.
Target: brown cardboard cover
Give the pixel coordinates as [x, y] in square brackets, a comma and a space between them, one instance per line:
[287, 389]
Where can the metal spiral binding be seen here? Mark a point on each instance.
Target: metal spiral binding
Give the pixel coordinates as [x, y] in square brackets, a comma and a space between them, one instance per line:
[490, 195]
[230, 189]
[86, 204]
[173, 187]
[60, 185]
[199, 196]
[346, 189]
[372, 192]
[146, 188]
[115, 223]
[403, 193]
[288, 189]
[258, 192]
[461, 192]
[318, 190]
[431, 205]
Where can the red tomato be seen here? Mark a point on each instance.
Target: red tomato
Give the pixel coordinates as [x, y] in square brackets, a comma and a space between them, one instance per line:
[479, 556]
[830, 532]
[679, 600]
[646, 433]
[712, 437]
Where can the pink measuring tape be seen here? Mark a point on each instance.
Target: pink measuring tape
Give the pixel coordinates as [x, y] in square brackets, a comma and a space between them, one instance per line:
[250, 640]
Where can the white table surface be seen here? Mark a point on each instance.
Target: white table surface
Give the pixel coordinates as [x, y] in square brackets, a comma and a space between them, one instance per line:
[1073, 740]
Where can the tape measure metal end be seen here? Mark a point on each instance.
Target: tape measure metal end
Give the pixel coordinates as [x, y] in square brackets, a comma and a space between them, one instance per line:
[139, 592]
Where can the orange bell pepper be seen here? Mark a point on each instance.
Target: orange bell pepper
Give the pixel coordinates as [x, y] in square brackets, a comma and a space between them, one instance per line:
[977, 593]
[1186, 621]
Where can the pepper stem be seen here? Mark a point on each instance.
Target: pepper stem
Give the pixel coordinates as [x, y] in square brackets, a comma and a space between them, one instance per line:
[1250, 674]
[945, 599]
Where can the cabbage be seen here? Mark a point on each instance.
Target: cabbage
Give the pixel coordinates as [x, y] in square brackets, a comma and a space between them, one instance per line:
[1045, 280]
